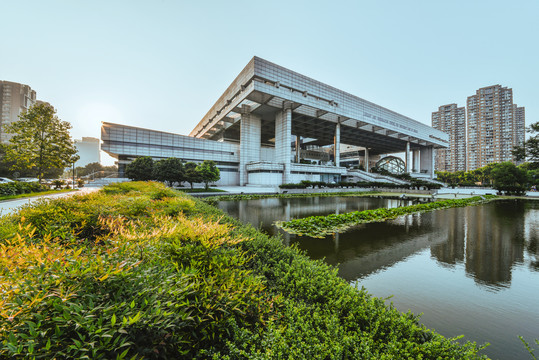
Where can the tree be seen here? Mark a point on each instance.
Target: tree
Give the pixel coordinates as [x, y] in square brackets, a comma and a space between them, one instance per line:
[529, 150]
[90, 168]
[509, 178]
[208, 172]
[5, 166]
[169, 171]
[141, 169]
[40, 141]
[191, 174]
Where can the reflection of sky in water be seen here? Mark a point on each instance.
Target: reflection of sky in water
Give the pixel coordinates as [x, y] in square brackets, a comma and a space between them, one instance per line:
[470, 270]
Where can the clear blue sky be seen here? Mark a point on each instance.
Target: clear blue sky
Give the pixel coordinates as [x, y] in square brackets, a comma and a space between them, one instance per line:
[161, 64]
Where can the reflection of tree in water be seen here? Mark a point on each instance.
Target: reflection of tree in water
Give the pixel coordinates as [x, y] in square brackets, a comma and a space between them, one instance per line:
[531, 235]
[533, 250]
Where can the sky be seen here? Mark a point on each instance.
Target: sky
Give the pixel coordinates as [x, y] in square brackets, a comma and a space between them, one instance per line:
[162, 64]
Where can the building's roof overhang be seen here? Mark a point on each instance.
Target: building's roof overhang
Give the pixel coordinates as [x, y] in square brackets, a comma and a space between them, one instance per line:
[264, 88]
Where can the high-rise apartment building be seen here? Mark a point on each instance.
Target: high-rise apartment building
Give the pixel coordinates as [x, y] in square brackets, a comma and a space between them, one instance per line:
[495, 126]
[519, 130]
[452, 120]
[15, 98]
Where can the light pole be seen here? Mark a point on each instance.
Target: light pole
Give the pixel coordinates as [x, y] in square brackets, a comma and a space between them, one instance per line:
[73, 187]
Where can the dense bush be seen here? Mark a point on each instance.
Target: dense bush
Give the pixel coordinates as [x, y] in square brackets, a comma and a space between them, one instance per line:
[140, 271]
[20, 187]
[518, 190]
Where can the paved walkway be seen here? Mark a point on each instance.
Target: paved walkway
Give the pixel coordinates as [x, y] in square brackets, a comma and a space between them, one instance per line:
[248, 189]
[9, 206]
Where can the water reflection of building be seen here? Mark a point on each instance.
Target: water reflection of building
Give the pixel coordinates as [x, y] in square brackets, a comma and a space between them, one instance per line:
[380, 245]
[488, 239]
[450, 252]
[531, 236]
[493, 246]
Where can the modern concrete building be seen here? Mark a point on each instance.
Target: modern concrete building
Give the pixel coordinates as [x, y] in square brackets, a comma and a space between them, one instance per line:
[271, 121]
[493, 129]
[15, 98]
[452, 120]
[88, 150]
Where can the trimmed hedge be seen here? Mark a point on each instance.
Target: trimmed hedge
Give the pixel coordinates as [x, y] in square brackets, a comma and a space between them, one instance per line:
[140, 271]
[20, 187]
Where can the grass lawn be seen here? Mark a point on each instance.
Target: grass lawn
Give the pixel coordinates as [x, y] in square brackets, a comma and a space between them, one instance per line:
[21, 196]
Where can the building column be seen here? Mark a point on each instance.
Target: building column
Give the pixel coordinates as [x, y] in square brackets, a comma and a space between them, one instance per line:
[337, 144]
[415, 160]
[427, 160]
[407, 157]
[250, 139]
[366, 160]
[298, 144]
[283, 138]
[432, 163]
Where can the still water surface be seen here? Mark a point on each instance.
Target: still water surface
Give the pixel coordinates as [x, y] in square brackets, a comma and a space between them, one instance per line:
[471, 271]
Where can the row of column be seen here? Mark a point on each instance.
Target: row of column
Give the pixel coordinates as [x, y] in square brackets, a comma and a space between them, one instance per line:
[250, 144]
[424, 158]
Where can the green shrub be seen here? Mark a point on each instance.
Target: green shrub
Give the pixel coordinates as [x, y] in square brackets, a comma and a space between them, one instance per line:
[135, 271]
[20, 187]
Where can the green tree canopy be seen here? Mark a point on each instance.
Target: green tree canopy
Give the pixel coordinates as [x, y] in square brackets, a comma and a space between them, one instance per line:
[141, 169]
[40, 141]
[509, 178]
[169, 171]
[529, 150]
[191, 174]
[208, 172]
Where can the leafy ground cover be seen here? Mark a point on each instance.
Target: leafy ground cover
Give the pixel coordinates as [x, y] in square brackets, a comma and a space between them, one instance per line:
[320, 226]
[141, 271]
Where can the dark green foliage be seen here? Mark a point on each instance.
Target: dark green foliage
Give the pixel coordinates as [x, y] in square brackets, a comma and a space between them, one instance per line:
[208, 172]
[509, 179]
[530, 149]
[192, 176]
[169, 171]
[19, 187]
[141, 169]
[40, 141]
[141, 271]
[58, 183]
[320, 226]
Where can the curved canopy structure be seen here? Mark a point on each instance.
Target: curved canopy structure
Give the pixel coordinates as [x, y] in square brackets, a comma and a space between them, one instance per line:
[392, 164]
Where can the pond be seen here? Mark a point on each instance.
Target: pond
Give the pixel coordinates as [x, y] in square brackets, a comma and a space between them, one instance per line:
[470, 271]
